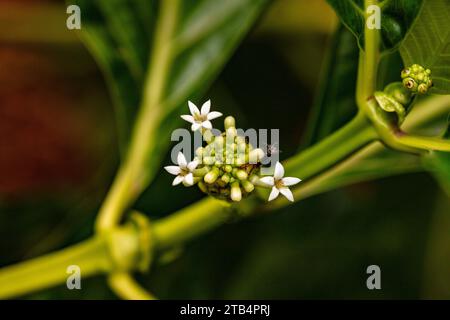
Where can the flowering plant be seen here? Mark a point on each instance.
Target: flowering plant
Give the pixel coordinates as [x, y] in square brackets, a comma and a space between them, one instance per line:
[190, 42]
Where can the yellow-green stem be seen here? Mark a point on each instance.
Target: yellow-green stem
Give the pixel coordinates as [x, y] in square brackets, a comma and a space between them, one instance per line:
[92, 256]
[132, 177]
[127, 288]
[345, 141]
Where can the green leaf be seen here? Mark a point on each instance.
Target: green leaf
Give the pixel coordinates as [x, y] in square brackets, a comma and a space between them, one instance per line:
[119, 34]
[335, 103]
[428, 43]
[438, 163]
[396, 18]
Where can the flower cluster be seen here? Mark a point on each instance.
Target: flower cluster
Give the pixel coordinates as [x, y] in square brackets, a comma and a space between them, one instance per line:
[417, 79]
[228, 167]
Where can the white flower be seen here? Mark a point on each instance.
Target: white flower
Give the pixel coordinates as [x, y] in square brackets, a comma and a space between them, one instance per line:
[280, 184]
[201, 119]
[183, 171]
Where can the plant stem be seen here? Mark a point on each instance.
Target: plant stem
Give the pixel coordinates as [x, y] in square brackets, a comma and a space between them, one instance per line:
[209, 213]
[126, 287]
[190, 222]
[92, 256]
[427, 143]
[367, 73]
[133, 175]
[353, 136]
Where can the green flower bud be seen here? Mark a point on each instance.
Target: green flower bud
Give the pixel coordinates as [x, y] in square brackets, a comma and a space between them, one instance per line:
[248, 186]
[236, 193]
[410, 84]
[208, 136]
[201, 172]
[212, 176]
[256, 155]
[417, 79]
[226, 178]
[241, 175]
[229, 122]
[219, 142]
[231, 133]
[199, 152]
[241, 147]
[422, 88]
[209, 161]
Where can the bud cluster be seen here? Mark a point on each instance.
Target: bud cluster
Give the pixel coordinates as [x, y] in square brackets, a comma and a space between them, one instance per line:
[228, 165]
[417, 79]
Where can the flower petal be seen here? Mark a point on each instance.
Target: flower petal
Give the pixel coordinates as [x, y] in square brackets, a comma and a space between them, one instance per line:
[214, 114]
[290, 181]
[206, 107]
[279, 171]
[287, 193]
[177, 180]
[274, 193]
[181, 159]
[192, 165]
[188, 118]
[267, 180]
[173, 170]
[195, 126]
[189, 179]
[193, 108]
[207, 124]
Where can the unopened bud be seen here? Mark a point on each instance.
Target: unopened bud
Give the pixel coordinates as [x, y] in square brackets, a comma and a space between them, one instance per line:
[236, 193]
[229, 122]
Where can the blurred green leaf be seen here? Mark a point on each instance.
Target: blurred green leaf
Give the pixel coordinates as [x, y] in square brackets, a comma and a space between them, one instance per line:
[119, 33]
[428, 43]
[335, 101]
[396, 18]
[438, 163]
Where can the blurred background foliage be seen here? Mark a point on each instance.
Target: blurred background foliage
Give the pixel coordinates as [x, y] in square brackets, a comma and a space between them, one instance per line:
[59, 153]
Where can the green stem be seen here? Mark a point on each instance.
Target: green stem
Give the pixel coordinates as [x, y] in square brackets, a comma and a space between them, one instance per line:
[369, 59]
[210, 213]
[92, 256]
[353, 136]
[426, 143]
[132, 177]
[127, 288]
[190, 222]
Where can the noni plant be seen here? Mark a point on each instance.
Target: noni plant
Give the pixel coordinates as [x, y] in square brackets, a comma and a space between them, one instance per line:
[381, 109]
